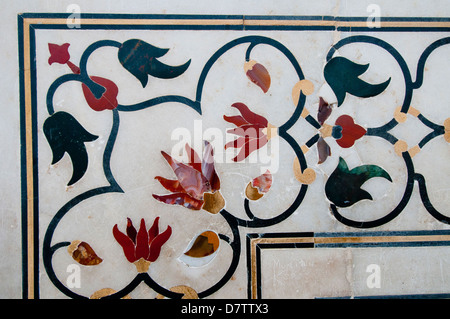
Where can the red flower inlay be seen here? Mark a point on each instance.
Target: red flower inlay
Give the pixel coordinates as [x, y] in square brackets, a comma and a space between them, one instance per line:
[252, 130]
[193, 179]
[142, 244]
[108, 100]
[60, 54]
[350, 131]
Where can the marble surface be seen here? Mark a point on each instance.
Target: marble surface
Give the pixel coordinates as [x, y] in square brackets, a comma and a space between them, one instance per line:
[297, 240]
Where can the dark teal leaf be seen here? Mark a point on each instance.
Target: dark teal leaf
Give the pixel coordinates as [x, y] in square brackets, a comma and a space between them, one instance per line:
[65, 135]
[140, 59]
[343, 187]
[343, 77]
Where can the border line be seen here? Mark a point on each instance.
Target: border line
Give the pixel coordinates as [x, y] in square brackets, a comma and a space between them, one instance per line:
[257, 242]
[29, 22]
[234, 22]
[29, 153]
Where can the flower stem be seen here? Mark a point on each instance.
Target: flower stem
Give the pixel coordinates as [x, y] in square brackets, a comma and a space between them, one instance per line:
[73, 67]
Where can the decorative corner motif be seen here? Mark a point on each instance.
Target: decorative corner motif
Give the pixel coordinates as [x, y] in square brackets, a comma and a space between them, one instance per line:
[198, 184]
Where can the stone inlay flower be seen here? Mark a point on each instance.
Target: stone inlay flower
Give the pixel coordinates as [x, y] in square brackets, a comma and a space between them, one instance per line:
[60, 54]
[258, 74]
[345, 131]
[254, 131]
[197, 184]
[142, 247]
[349, 131]
[107, 101]
[259, 186]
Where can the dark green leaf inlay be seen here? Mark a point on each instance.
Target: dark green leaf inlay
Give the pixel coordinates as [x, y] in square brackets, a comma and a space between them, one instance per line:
[343, 77]
[65, 135]
[343, 187]
[140, 59]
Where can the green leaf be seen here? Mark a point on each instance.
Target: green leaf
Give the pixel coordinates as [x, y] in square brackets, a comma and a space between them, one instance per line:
[343, 187]
[343, 77]
[65, 135]
[140, 59]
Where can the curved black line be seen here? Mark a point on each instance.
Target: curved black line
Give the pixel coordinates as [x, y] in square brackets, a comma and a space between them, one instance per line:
[127, 289]
[95, 88]
[431, 125]
[255, 40]
[83, 78]
[423, 58]
[57, 246]
[159, 100]
[144, 277]
[431, 136]
[225, 238]
[108, 152]
[249, 51]
[437, 130]
[248, 212]
[94, 46]
[426, 200]
[298, 151]
[161, 290]
[390, 216]
[236, 247]
[382, 132]
[296, 115]
[58, 82]
[256, 222]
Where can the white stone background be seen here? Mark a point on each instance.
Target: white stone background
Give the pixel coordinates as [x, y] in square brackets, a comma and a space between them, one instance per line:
[10, 209]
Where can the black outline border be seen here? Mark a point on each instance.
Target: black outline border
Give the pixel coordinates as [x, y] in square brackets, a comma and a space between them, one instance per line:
[259, 247]
[239, 27]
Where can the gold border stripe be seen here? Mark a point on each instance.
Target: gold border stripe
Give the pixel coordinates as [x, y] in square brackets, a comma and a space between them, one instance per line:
[244, 22]
[351, 24]
[139, 21]
[380, 239]
[29, 159]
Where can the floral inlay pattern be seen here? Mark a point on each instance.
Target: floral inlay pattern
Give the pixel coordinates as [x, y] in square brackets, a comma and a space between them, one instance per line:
[199, 187]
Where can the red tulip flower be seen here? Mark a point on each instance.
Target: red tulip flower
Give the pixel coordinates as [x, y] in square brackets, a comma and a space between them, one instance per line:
[142, 247]
[254, 131]
[108, 100]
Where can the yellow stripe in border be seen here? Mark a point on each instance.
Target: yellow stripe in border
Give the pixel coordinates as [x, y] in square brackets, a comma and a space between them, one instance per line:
[29, 160]
[246, 21]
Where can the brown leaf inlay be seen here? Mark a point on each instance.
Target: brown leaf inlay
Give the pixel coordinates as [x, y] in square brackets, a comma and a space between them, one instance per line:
[83, 253]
